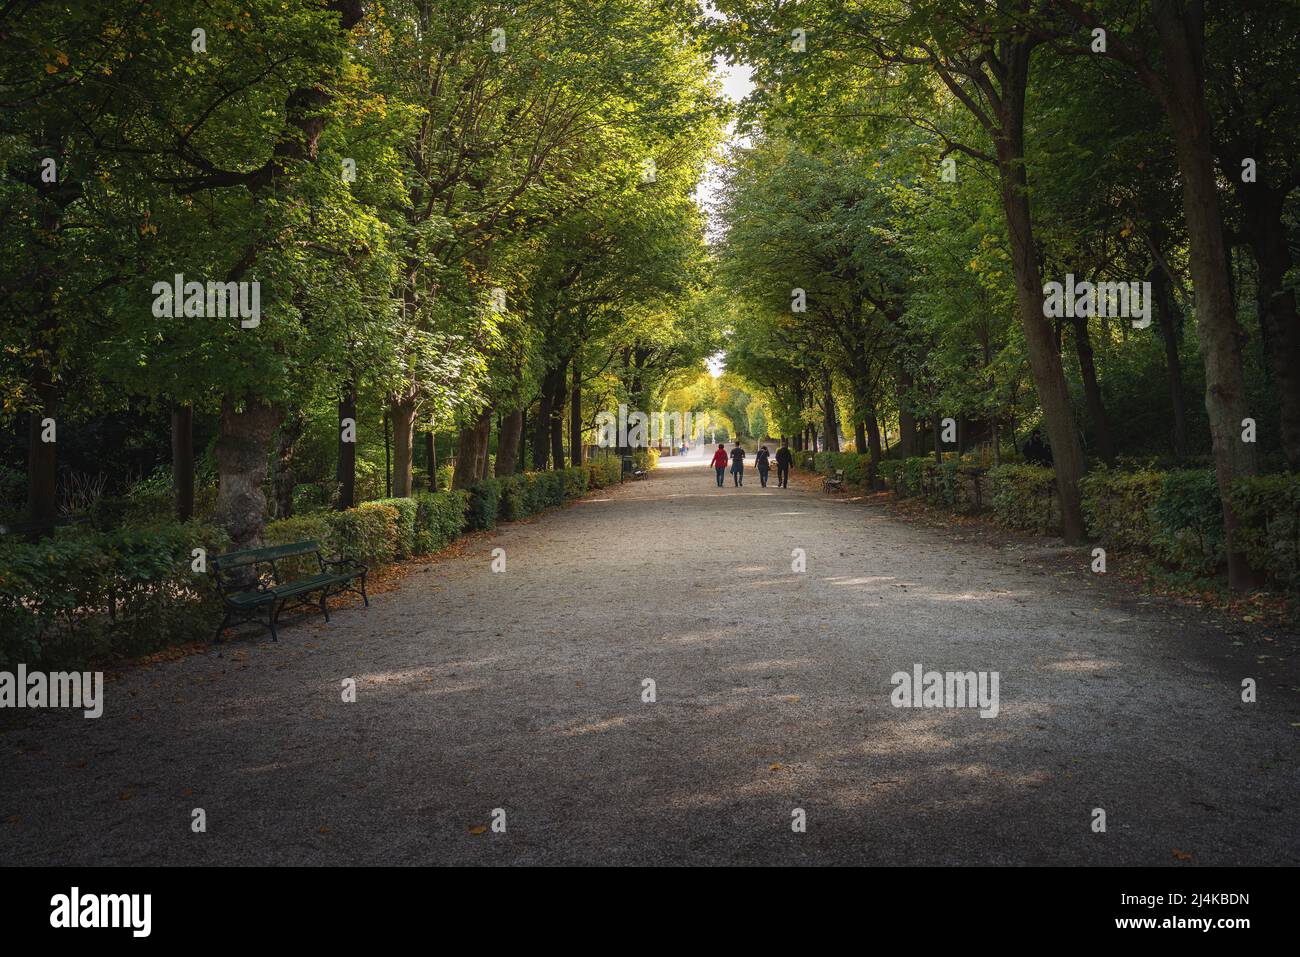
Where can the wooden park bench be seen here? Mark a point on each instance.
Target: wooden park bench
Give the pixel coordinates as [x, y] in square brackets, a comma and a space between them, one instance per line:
[250, 582]
[834, 481]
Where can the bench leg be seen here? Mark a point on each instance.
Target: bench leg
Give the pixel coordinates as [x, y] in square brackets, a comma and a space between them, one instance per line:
[225, 623]
[273, 614]
[363, 590]
[323, 607]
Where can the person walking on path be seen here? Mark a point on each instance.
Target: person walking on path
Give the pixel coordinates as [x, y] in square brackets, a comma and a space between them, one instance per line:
[783, 460]
[761, 463]
[738, 464]
[720, 462]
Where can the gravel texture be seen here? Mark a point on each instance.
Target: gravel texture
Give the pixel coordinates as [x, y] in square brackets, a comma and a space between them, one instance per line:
[522, 690]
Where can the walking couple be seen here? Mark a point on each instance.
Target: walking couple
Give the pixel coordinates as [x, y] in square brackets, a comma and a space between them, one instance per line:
[761, 462]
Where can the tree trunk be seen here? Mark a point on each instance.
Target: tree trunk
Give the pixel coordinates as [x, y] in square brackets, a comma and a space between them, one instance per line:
[1183, 97]
[401, 412]
[485, 443]
[42, 458]
[557, 417]
[242, 450]
[1170, 320]
[938, 442]
[542, 427]
[512, 427]
[830, 418]
[873, 445]
[282, 474]
[346, 471]
[521, 464]
[575, 415]
[183, 461]
[1092, 390]
[388, 460]
[906, 420]
[1040, 337]
[859, 436]
[469, 451]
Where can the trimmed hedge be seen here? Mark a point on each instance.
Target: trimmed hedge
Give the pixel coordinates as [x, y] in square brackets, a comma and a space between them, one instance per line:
[86, 595]
[1174, 517]
[83, 596]
[514, 497]
[1024, 496]
[857, 468]
[377, 532]
[484, 502]
[1268, 507]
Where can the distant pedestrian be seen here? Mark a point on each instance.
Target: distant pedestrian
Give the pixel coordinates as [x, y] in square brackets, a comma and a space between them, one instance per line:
[783, 460]
[761, 463]
[738, 465]
[720, 462]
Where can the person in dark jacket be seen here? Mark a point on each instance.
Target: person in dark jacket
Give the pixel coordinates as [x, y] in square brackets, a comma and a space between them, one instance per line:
[761, 463]
[783, 460]
[720, 462]
[738, 465]
[1036, 450]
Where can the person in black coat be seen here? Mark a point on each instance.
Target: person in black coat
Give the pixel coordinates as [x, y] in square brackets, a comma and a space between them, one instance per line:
[738, 465]
[783, 460]
[1036, 450]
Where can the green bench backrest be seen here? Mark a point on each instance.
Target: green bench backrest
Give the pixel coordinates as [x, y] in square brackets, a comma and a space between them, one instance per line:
[251, 556]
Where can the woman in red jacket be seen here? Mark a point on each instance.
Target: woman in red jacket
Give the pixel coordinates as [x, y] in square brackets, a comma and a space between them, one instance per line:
[720, 462]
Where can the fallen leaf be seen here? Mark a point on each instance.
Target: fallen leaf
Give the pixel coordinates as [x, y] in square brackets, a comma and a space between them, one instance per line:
[478, 829]
[1181, 855]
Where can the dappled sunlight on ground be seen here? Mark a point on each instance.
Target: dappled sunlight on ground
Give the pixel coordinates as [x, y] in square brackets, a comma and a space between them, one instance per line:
[523, 690]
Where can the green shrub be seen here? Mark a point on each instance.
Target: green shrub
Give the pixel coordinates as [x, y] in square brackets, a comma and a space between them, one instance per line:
[1268, 510]
[949, 486]
[367, 533]
[484, 499]
[542, 490]
[85, 596]
[1024, 496]
[405, 541]
[1189, 519]
[513, 502]
[911, 476]
[603, 471]
[313, 527]
[439, 519]
[575, 482]
[646, 459]
[890, 471]
[1119, 508]
[857, 468]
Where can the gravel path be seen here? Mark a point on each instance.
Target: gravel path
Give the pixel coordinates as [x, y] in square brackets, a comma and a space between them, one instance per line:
[523, 691]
